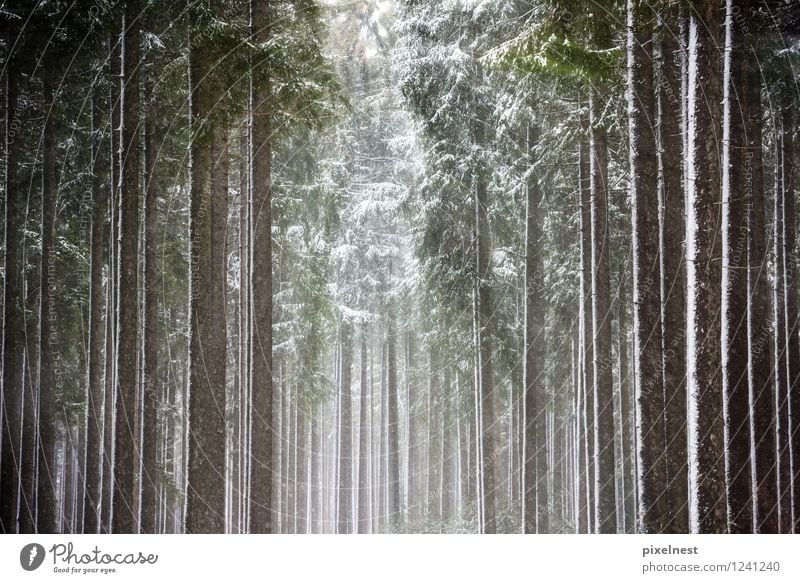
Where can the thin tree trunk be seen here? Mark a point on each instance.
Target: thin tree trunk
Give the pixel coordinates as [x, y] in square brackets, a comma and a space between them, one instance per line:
[125, 503]
[345, 522]
[363, 444]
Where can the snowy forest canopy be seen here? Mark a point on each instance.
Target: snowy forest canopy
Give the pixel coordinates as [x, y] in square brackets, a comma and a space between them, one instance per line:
[362, 266]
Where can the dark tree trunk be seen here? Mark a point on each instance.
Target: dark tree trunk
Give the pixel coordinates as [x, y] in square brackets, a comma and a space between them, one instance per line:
[205, 488]
[13, 311]
[261, 282]
[646, 270]
[704, 259]
[95, 390]
[363, 444]
[735, 349]
[604, 478]
[345, 522]
[125, 503]
[673, 268]
[586, 487]
[536, 499]
[150, 384]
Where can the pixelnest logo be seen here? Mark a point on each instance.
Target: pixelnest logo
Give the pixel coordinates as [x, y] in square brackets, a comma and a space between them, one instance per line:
[32, 556]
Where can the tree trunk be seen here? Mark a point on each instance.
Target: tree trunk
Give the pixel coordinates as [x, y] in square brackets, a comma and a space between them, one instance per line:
[205, 488]
[363, 444]
[345, 522]
[125, 501]
[393, 426]
[13, 311]
[706, 432]
[673, 268]
[646, 271]
[261, 284]
[150, 384]
[95, 389]
[735, 349]
[535, 499]
[604, 477]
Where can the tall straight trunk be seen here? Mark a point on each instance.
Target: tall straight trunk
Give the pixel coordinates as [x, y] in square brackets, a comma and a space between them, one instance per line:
[759, 320]
[706, 432]
[627, 402]
[782, 334]
[13, 312]
[483, 332]
[150, 385]
[414, 473]
[261, 283]
[95, 389]
[205, 488]
[363, 444]
[535, 498]
[604, 471]
[673, 269]
[47, 497]
[735, 349]
[345, 523]
[646, 271]
[316, 485]
[788, 123]
[586, 489]
[125, 503]
[301, 472]
[393, 425]
[112, 298]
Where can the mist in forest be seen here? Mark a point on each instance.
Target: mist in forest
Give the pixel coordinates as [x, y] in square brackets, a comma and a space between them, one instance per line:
[400, 266]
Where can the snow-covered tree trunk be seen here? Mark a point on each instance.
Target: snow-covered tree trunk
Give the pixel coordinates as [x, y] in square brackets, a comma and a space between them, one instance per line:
[735, 345]
[345, 459]
[650, 403]
[707, 480]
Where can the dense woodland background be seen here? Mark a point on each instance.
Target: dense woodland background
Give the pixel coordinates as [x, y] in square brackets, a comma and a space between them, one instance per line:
[400, 266]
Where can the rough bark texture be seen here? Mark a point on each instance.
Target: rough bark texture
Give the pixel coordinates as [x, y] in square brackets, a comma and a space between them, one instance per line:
[673, 273]
[261, 282]
[536, 498]
[205, 488]
[735, 342]
[647, 330]
[125, 503]
[392, 426]
[706, 431]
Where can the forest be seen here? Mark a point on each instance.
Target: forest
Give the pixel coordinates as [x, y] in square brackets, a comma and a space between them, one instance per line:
[400, 266]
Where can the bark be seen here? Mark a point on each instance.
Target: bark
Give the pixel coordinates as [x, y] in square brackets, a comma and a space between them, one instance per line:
[706, 432]
[536, 499]
[125, 501]
[47, 520]
[483, 332]
[95, 389]
[13, 310]
[150, 384]
[586, 488]
[646, 265]
[392, 426]
[205, 487]
[605, 520]
[345, 491]
[363, 444]
[261, 286]
[735, 349]
[673, 269]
